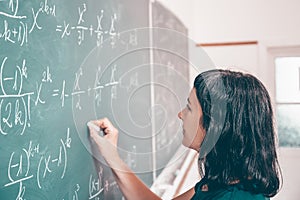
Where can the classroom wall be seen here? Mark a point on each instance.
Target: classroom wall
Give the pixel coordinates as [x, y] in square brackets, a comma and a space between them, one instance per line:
[226, 21]
[272, 24]
[234, 20]
[245, 20]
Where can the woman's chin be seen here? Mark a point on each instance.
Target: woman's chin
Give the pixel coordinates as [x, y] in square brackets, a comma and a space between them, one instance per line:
[186, 143]
[189, 144]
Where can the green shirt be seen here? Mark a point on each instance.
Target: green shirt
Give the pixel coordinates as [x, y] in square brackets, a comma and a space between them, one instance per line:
[229, 193]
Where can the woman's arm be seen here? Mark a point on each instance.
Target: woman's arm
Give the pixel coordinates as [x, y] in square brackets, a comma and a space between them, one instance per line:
[187, 195]
[131, 186]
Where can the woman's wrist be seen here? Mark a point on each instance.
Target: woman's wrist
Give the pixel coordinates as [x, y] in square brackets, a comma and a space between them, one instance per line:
[116, 162]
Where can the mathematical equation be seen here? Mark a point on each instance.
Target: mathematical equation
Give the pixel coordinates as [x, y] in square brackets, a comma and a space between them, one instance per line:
[17, 27]
[100, 184]
[48, 164]
[20, 169]
[16, 105]
[81, 28]
[99, 85]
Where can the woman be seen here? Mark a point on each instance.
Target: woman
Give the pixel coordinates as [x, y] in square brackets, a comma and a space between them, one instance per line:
[229, 121]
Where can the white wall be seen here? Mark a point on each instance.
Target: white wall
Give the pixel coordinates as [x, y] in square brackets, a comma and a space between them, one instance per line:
[232, 20]
[242, 57]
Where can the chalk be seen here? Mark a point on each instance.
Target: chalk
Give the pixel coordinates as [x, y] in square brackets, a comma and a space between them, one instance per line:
[93, 126]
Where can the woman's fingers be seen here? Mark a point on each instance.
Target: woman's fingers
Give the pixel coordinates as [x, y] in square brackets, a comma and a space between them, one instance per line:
[95, 135]
[106, 126]
[110, 132]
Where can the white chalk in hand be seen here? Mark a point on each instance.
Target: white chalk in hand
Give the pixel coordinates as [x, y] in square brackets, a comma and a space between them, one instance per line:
[93, 126]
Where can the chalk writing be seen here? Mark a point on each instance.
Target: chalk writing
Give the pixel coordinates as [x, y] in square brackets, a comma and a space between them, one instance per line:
[82, 28]
[95, 185]
[38, 96]
[77, 91]
[15, 79]
[131, 157]
[20, 169]
[98, 86]
[110, 185]
[61, 93]
[132, 84]
[47, 76]
[13, 7]
[75, 194]
[49, 162]
[131, 40]
[14, 105]
[21, 193]
[17, 33]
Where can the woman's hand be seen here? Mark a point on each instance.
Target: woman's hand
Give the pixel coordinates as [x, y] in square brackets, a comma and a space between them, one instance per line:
[107, 145]
[131, 186]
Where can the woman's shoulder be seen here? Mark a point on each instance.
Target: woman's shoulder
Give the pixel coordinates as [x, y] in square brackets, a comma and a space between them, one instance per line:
[232, 192]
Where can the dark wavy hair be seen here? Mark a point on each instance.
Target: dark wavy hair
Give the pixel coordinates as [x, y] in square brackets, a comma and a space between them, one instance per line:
[239, 145]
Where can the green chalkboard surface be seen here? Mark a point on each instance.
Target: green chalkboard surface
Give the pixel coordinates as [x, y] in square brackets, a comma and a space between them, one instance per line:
[63, 63]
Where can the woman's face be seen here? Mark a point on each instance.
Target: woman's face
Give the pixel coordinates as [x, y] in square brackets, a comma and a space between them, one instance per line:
[191, 116]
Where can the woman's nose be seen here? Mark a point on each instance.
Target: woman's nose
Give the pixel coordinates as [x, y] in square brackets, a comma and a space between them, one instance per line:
[180, 115]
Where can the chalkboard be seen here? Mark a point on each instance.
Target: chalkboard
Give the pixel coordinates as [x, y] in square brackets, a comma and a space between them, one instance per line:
[63, 63]
[171, 78]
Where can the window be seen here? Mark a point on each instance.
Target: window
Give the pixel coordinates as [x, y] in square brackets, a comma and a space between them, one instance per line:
[287, 77]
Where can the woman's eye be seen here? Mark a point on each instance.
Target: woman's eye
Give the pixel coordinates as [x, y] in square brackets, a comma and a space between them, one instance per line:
[188, 107]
